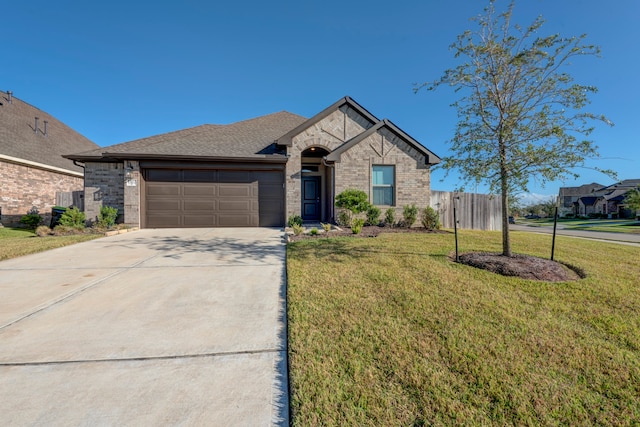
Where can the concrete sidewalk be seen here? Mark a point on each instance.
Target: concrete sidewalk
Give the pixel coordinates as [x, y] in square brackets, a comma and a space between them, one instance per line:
[154, 327]
[622, 238]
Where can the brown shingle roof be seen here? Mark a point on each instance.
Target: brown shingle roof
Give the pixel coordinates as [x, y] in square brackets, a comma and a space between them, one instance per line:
[251, 138]
[19, 139]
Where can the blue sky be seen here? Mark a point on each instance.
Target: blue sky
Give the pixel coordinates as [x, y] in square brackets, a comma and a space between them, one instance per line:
[121, 70]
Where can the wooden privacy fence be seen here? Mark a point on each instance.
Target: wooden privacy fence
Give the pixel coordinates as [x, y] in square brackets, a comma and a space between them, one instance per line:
[474, 211]
[70, 198]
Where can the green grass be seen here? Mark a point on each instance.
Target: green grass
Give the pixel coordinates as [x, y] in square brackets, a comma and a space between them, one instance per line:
[15, 242]
[388, 331]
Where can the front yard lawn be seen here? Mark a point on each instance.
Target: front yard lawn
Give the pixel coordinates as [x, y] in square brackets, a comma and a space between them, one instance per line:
[15, 242]
[388, 331]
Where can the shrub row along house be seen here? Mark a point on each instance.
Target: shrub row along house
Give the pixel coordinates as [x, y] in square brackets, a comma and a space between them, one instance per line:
[258, 172]
[597, 200]
[33, 174]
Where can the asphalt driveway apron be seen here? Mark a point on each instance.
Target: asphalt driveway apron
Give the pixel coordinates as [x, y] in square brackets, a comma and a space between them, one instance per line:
[154, 327]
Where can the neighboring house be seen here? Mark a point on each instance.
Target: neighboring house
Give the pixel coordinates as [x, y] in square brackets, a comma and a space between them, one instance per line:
[611, 199]
[33, 173]
[258, 172]
[569, 196]
[594, 198]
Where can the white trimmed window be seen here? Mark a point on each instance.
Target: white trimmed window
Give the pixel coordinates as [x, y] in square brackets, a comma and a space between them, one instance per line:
[383, 178]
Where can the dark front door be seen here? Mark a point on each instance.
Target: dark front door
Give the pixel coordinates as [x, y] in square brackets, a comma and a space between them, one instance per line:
[311, 198]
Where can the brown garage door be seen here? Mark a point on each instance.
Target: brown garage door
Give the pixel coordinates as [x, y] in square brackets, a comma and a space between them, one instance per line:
[213, 198]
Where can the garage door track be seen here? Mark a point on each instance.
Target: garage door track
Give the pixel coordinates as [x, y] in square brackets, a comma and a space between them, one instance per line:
[154, 327]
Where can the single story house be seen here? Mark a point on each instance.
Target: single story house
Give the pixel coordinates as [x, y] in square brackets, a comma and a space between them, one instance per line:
[33, 173]
[258, 172]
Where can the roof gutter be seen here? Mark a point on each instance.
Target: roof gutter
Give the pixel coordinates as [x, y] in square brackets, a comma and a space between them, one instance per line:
[133, 156]
[41, 166]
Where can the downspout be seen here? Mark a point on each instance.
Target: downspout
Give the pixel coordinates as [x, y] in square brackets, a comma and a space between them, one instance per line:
[75, 162]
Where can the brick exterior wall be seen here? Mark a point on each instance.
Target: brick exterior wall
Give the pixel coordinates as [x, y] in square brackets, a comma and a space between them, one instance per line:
[23, 187]
[412, 175]
[103, 186]
[329, 133]
[412, 179]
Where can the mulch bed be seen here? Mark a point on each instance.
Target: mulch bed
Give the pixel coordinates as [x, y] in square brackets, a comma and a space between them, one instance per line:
[368, 231]
[523, 266]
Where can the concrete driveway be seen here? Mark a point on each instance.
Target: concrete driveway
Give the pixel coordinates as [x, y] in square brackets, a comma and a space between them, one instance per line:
[153, 327]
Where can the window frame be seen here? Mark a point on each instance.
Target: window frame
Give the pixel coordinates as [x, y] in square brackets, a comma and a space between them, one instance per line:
[392, 185]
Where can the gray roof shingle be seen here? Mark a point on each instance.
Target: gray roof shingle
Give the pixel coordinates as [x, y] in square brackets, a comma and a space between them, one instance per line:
[18, 137]
[253, 138]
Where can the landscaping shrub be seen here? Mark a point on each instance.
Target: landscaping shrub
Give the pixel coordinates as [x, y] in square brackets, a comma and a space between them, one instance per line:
[74, 218]
[297, 229]
[344, 218]
[294, 220]
[390, 217]
[356, 225]
[32, 219]
[410, 215]
[430, 218]
[355, 201]
[373, 215]
[313, 231]
[326, 227]
[107, 216]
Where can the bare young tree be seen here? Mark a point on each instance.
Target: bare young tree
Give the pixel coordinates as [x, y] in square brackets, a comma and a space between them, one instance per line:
[521, 115]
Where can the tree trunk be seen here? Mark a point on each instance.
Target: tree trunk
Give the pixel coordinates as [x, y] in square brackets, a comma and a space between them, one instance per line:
[504, 190]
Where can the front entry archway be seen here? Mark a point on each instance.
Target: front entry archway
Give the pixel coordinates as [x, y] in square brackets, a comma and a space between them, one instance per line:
[314, 182]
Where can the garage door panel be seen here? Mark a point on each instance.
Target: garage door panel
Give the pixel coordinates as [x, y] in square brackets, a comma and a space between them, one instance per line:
[199, 221]
[240, 206]
[164, 205]
[163, 221]
[199, 205]
[203, 189]
[213, 198]
[236, 220]
[163, 190]
[234, 190]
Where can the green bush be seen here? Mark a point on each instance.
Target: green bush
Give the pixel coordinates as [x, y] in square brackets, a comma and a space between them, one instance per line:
[390, 217]
[430, 218]
[32, 219]
[355, 201]
[294, 220]
[344, 218]
[410, 215]
[74, 218]
[107, 216]
[373, 215]
[313, 231]
[297, 229]
[356, 225]
[326, 227]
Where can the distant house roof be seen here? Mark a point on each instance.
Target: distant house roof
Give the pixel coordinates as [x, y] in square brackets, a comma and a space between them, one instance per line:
[588, 201]
[20, 140]
[248, 139]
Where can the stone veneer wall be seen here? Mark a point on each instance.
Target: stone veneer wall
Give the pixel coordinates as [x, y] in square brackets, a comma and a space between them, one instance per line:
[103, 186]
[412, 175]
[329, 133]
[23, 187]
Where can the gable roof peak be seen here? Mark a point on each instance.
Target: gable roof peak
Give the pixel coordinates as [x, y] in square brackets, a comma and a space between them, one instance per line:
[287, 138]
